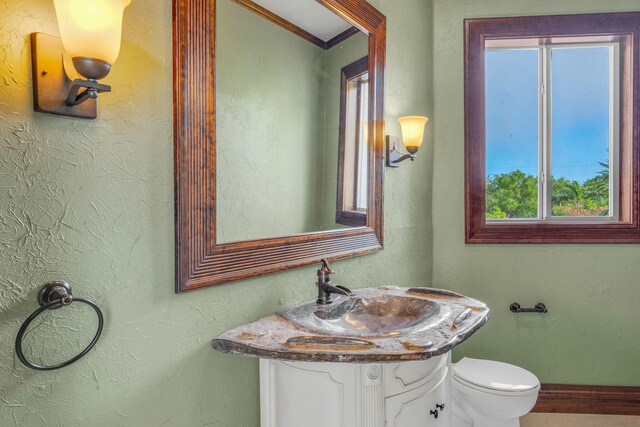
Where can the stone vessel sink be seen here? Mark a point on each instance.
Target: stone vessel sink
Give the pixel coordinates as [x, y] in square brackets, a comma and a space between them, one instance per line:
[387, 324]
[367, 313]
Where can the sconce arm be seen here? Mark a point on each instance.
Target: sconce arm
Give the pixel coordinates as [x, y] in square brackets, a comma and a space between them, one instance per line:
[92, 89]
[403, 158]
[395, 156]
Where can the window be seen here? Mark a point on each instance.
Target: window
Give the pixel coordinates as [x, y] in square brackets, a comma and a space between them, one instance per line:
[552, 129]
[550, 150]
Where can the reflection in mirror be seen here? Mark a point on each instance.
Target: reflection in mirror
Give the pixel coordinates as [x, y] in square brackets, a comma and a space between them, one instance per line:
[279, 72]
[353, 151]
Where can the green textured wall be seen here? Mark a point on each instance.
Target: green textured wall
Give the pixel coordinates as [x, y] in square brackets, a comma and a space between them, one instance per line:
[592, 332]
[92, 202]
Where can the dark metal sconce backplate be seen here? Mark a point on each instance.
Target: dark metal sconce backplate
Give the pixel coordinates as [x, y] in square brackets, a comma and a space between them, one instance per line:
[392, 152]
[51, 85]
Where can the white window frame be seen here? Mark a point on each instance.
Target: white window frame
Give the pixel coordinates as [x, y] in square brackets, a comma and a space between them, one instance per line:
[545, 126]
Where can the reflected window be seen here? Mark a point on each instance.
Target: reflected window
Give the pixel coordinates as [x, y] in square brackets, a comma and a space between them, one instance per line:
[353, 154]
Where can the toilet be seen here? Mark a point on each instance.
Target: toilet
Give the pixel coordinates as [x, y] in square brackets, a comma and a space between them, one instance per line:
[486, 393]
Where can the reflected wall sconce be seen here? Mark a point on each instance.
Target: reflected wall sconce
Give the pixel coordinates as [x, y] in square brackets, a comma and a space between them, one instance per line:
[412, 137]
[66, 70]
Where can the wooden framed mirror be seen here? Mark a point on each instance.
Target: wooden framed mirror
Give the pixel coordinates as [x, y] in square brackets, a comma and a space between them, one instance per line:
[246, 145]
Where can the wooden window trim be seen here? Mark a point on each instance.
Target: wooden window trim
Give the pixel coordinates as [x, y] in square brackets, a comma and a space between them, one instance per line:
[621, 26]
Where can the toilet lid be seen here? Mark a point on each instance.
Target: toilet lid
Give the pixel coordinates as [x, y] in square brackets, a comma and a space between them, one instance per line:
[495, 375]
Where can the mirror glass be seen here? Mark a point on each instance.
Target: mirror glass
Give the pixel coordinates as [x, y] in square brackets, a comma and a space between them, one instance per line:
[291, 120]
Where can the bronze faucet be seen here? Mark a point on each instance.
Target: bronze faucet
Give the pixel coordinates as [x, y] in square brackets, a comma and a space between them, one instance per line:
[326, 287]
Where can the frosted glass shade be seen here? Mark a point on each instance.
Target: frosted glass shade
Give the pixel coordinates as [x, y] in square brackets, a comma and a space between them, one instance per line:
[91, 28]
[413, 131]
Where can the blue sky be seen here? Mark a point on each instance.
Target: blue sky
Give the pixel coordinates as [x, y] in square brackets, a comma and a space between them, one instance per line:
[580, 111]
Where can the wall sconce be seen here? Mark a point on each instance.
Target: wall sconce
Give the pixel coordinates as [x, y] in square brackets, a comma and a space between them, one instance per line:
[412, 137]
[66, 70]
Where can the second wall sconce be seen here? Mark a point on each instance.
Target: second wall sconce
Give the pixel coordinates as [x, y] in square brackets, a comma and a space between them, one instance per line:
[66, 70]
[412, 137]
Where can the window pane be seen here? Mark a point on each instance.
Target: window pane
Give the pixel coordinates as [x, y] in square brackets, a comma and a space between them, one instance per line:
[362, 157]
[356, 155]
[512, 133]
[580, 122]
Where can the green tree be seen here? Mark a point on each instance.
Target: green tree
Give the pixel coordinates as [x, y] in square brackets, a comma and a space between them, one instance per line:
[565, 192]
[591, 198]
[512, 195]
[597, 188]
[496, 213]
[515, 195]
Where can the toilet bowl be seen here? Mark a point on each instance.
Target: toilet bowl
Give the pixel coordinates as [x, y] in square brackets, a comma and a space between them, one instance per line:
[486, 393]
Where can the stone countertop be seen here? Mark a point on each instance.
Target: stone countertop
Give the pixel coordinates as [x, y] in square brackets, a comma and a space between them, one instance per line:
[277, 337]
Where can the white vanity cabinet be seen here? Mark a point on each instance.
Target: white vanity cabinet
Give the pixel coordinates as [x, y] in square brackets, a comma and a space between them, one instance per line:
[309, 394]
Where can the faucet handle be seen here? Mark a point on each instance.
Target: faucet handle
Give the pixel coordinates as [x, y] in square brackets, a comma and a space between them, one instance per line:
[325, 267]
[344, 289]
[335, 289]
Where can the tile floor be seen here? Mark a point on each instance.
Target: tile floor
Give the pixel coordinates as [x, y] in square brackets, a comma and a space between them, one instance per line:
[578, 420]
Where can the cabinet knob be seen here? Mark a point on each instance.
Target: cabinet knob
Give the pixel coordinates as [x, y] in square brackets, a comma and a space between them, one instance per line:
[441, 407]
[434, 413]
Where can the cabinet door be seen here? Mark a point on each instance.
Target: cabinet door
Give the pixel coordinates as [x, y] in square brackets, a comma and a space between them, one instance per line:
[414, 408]
[306, 394]
[405, 376]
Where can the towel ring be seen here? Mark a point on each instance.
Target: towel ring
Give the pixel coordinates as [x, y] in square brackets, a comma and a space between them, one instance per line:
[52, 296]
